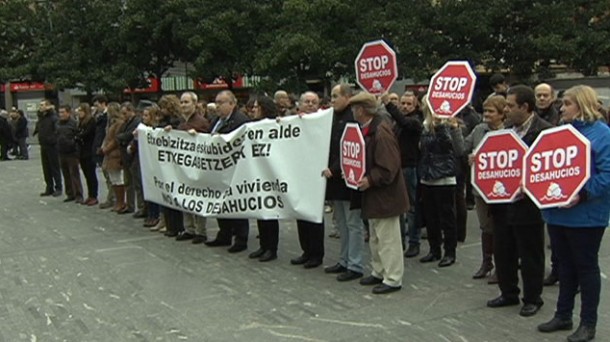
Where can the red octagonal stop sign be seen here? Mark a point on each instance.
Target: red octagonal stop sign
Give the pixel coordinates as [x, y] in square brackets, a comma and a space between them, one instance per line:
[376, 68]
[557, 165]
[497, 166]
[353, 155]
[451, 88]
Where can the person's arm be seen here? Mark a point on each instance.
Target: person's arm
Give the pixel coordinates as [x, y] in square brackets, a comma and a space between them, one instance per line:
[599, 183]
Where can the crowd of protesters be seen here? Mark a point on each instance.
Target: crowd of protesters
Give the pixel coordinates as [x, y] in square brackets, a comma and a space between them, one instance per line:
[417, 177]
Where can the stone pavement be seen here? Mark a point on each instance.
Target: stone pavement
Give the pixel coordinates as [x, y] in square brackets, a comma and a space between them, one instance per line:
[71, 273]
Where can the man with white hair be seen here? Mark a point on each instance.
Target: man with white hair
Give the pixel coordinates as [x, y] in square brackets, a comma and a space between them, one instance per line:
[282, 101]
[229, 119]
[545, 97]
[311, 234]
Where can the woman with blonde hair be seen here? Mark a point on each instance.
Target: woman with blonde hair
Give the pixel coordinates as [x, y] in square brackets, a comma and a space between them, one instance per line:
[441, 145]
[493, 119]
[112, 163]
[576, 230]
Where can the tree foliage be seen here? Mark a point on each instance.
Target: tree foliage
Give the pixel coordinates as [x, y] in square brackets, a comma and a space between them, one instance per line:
[113, 44]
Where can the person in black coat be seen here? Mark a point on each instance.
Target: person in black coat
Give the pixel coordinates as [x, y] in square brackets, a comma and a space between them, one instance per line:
[229, 119]
[518, 226]
[349, 222]
[101, 125]
[46, 128]
[6, 138]
[69, 152]
[85, 138]
[21, 134]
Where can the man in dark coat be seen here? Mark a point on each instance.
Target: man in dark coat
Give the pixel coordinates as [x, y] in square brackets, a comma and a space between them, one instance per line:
[68, 148]
[46, 128]
[349, 222]
[6, 138]
[384, 195]
[408, 127]
[518, 226]
[125, 136]
[229, 119]
[545, 99]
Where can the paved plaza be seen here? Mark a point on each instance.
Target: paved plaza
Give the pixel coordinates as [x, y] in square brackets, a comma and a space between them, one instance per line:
[75, 273]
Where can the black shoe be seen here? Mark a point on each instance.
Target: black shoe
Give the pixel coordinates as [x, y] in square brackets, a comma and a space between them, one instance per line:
[268, 256]
[199, 239]
[46, 193]
[183, 236]
[529, 309]
[139, 214]
[256, 254]
[336, 268]
[469, 206]
[349, 275]
[501, 301]
[171, 234]
[555, 324]
[582, 334]
[237, 248]
[430, 258]
[217, 243]
[383, 289]
[312, 263]
[370, 280]
[447, 261]
[299, 260]
[551, 280]
[412, 251]
[69, 199]
[57, 193]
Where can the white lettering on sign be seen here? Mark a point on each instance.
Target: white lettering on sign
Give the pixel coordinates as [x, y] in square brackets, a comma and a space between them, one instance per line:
[450, 83]
[351, 149]
[374, 63]
[498, 159]
[558, 158]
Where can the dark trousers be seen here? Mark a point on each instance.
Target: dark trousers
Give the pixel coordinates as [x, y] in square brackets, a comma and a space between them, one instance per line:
[524, 242]
[174, 221]
[311, 239]
[152, 210]
[578, 265]
[23, 147]
[233, 227]
[87, 164]
[4, 147]
[136, 180]
[268, 233]
[71, 172]
[439, 212]
[461, 213]
[49, 158]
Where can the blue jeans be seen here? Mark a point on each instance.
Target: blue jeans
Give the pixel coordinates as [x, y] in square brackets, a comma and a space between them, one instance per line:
[350, 228]
[412, 216]
[577, 255]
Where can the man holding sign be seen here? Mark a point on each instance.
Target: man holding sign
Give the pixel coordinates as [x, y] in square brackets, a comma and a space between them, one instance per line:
[518, 226]
[349, 223]
[384, 195]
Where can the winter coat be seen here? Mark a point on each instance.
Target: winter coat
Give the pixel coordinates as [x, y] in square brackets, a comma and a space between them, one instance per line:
[46, 127]
[387, 195]
[409, 133]
[440, 151]
[110, 146]
[86, 138]
[593, 209]
[67, 131]
[336, 190]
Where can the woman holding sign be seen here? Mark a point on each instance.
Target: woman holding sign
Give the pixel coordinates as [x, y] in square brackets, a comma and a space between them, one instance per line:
[493, 119]
[441, 144]
[268, 230]
[576, 230]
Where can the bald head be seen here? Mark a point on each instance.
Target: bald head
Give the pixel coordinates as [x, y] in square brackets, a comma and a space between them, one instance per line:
[309, 102]
[394, 99]
[545, 95]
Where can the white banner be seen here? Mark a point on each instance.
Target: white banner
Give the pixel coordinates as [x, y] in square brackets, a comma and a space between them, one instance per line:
[262, 170]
